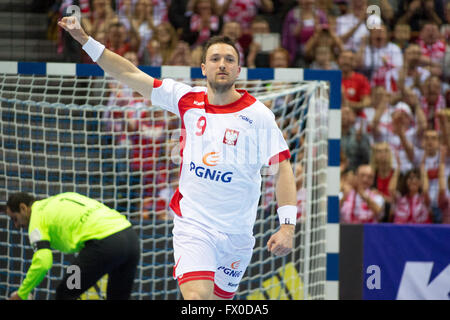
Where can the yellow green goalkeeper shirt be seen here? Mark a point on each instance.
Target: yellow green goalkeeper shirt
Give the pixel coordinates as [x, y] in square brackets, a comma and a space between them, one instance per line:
[65, 222]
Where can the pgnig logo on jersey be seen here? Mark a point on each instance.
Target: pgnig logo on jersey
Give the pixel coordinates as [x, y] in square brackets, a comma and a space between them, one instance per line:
[230, 272]
[210, 174]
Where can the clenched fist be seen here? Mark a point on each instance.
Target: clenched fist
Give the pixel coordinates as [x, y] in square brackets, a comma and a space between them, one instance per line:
[73, 27]
[281, 243]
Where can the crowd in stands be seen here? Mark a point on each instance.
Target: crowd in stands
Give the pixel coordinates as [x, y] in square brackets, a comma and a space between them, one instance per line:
[395, 145]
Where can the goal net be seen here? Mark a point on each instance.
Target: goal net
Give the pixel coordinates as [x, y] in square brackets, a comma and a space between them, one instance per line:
[67, 127]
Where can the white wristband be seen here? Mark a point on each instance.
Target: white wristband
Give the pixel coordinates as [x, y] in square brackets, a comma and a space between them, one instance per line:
[93, 48]
[287, 214]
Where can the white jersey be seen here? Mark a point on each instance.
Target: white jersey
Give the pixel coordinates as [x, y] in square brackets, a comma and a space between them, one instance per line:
[223, 149]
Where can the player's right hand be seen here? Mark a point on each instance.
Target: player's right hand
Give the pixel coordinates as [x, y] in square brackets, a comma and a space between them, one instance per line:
[14, 296]
[73, 27]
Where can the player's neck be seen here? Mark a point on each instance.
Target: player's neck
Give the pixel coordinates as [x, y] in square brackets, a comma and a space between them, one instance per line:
[222, 98]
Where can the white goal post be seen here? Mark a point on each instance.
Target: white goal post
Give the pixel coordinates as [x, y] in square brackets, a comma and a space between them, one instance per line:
[69, 127]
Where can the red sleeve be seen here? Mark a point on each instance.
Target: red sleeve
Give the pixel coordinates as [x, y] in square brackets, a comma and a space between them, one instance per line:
[280, 157]
[157, 83]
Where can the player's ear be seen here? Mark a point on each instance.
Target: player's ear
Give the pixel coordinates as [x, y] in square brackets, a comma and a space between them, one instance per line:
[23, 208]
[203, 69]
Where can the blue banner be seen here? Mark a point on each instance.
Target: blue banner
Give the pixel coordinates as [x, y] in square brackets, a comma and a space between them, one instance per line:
[406, 262]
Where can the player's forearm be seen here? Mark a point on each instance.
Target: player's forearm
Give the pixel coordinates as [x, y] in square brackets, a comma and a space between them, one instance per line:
[126, 72]
[42, 262]
[113, 64]
[116, 66]
[285, 189]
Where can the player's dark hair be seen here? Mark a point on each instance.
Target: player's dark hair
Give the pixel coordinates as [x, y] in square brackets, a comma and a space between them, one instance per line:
[17, 198]
[216, 40]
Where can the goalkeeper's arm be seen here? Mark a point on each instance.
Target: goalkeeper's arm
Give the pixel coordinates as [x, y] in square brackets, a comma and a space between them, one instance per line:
[113, 64]
[40, 264]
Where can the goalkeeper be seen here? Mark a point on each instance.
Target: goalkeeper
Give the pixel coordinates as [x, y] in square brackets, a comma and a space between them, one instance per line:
[72, 223]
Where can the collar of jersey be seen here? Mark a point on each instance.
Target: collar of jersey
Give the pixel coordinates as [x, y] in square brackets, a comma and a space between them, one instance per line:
[243, 102]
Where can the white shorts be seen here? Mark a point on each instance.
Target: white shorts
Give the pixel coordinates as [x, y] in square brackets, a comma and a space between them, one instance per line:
[202, 253]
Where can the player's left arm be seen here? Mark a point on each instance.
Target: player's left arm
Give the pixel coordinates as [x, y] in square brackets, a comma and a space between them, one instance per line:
[281, 242]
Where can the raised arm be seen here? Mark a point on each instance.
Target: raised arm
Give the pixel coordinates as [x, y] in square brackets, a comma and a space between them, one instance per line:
[114, 65]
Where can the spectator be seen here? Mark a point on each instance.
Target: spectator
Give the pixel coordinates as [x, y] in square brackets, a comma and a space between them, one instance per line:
[160, 11]
[146, 130]
[179, 14]
[233, 30]
[324, 36]
[159, 205]
[356, 87]
[377, 52]
[279, 58]
[396, 126]
[411, 204]
[152, 54]
[181, 56]
[323, 59]
[414, 13]
[347, 176]
[69, 48]
[196, 57]
[386, 9]
[362, 204]
[117, 39]
[380, 124]
[430, 154]
[256, 58]
[342, 7]
[298, 27]
[444, 126]
[351, 27]
[410, 76]
[382, 164]
[445, 32]
[444, 186]
[203, 23]
[402, 35]
[115, 121]
[433, 47]
[141, 21]
[405, 137]
[355, 144]
[432, 101]
[100, 17]
[410, 97]
[242, 11]
[167, 40]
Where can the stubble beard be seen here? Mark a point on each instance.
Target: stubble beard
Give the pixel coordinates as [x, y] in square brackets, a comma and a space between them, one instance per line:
[220, 88]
